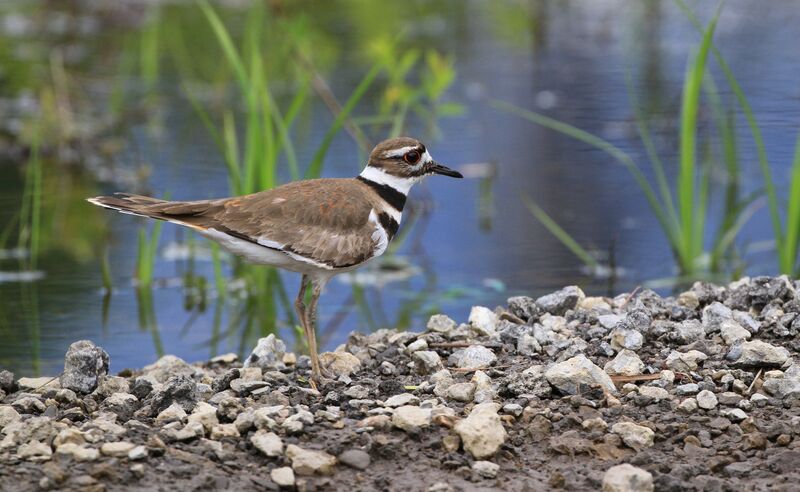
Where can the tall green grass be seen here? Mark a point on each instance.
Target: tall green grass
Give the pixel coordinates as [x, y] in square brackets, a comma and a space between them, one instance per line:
[682, 214]
[787, 231]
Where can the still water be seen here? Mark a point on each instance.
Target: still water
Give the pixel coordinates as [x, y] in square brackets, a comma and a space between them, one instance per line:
[474, 243]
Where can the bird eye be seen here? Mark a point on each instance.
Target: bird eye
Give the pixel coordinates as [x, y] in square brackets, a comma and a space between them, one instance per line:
[411, 157]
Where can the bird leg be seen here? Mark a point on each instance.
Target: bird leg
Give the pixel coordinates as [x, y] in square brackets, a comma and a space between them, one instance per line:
[311, 313]
[308, 318]
[300, 308]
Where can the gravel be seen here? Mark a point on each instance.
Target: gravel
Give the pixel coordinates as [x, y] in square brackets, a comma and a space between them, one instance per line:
[699, 391]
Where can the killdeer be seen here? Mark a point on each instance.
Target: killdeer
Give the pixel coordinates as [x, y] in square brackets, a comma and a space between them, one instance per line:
[316, 227]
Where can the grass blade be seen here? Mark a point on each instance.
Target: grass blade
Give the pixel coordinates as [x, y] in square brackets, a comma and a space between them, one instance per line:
[560, 233]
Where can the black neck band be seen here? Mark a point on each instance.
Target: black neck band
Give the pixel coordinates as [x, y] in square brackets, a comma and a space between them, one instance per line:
[394, 198]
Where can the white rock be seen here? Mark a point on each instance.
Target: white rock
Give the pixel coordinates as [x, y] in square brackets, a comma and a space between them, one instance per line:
[78, 452]
[473, 357]
[138, 453]
[268, 443]
[308, 462]
[267, 354]
[757, 354]
[283, 476]
[418, 344]
[688, 405]
[626, 339]
[205, 414]
[486, 469]
[34, 451]
[427, 361]
[482, 432]
[483, 321]
[220, 431]
[733, 414]
[463, 392]
[400, 400]
[569, 376]
[635, 436]
[685, 362]
[7, 415]
[654, 392]
[168, 366]
[117, 449]
[411, 418]
[340, 363]
[440, 323]
[173, 412]
[732, 332]
[627, 478]
[706, 400]
[38, 385]
[626, 363]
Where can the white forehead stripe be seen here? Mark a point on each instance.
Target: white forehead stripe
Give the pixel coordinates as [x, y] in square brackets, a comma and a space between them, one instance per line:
[426, 158]
[401, 184]
[399, 152]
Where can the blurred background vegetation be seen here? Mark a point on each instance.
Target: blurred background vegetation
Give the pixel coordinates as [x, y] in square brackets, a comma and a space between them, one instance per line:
[607, 143]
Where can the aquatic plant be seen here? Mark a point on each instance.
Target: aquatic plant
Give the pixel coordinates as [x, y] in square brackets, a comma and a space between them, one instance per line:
[682, 213]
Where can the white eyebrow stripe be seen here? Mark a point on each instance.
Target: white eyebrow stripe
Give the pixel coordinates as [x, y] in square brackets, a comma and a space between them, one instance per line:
[426, 158]
[399, 152]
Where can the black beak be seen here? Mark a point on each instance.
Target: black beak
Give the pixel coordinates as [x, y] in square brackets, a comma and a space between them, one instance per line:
[437, 168]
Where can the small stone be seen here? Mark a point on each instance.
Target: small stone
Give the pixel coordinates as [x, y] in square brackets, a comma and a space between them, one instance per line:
[473, 357]
[283, 476]
[689, 331]
[733, 414]
[410, 418]
[38, 385]
[34, 451]
[84, 364]
[267, 354]
[6, 381]
[572, 375]
[687, 389]
[706, 400]
[340, 363]
[626, 339]
[225, 359]
[514, 409]
[627, 478]
[688, 405]
[559, 302]
[166, 367]
[733, 332]
[117, 449]
[440, 323]
[355, 458]
[685, 362]
[78, 452]
[8, 415]
[205, 414]
[138, 453]
[172, 413]
[122, 404]
[221, 431]
[654, 392]
[401, 400]
[418, 344]
[634, 436]
[178, 390]
[29, 404]
[485, 469]
[595, 424]
[268, 443]
[714, 315]
[528, 345]
[483, 320]
[482, 432]
[463, 392]
[427, 361]
[761, 354]
[626, 363]
[308, 462]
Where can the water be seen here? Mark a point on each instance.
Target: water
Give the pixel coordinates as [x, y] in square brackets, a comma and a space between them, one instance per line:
[477, 245]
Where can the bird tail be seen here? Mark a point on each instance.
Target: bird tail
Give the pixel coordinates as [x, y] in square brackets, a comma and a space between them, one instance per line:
[183, 213]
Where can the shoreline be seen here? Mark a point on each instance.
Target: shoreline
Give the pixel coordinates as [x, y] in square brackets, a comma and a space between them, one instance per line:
[694, 392]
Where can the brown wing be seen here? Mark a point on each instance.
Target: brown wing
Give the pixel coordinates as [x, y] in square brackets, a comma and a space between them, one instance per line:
[326, 220]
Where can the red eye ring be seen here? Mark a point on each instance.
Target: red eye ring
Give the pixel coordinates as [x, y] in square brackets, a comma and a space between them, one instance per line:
[412, 157]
